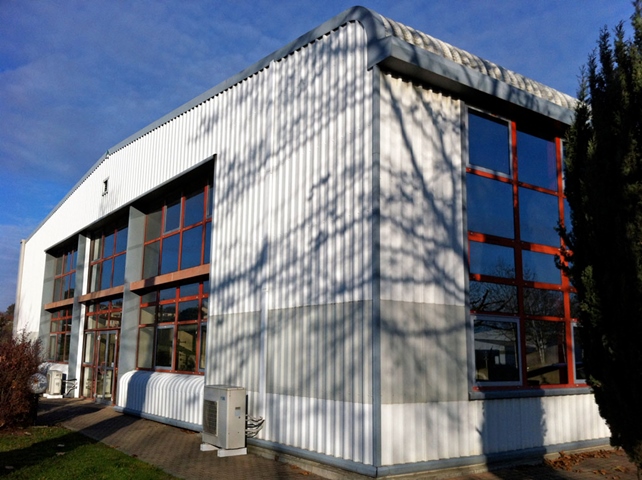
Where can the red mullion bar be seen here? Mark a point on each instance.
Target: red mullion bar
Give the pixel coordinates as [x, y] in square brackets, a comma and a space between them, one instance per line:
[535, 187]
[485, 174]
[478, 277]
[539, 248]
[519, 268]
[485, 238]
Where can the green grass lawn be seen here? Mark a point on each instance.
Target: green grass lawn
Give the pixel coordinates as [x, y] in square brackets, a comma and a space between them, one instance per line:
[56, 453]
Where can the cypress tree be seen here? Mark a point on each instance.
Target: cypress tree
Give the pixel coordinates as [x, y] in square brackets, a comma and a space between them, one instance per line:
[603, 167]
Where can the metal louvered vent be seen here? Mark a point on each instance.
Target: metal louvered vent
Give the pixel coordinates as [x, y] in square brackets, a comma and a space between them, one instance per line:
[210, 414]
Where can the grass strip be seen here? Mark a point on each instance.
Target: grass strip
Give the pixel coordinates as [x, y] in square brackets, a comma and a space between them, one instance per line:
[56, 453]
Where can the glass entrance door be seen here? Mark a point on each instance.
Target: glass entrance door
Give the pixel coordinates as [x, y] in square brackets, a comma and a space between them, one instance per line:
[106, 343]
[99, 366]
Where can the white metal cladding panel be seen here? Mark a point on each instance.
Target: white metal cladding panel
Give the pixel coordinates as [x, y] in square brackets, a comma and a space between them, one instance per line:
[338, 429]
[234, 348]
[242, 117]
[322, 213]
[443, 430]
[30, 291]
[166, 395]
[422, 251]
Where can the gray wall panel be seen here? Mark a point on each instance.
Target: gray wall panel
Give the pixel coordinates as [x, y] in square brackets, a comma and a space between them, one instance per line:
[423, 352]
[321, 352]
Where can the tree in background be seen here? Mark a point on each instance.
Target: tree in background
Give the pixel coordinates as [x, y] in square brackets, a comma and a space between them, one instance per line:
[6, 322]
[604, 248]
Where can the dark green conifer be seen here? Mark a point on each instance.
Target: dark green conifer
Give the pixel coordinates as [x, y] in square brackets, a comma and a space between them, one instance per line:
[604, 190]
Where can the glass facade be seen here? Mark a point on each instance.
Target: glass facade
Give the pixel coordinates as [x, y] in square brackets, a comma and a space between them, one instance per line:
[172, 328]
[520, 302]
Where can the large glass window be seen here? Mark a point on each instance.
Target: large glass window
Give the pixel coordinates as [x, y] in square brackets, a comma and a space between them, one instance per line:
[107, 259]
[521, 304]
[59, 335]
[177, 235]
[65, 274]
[104, 314]
[173, 327]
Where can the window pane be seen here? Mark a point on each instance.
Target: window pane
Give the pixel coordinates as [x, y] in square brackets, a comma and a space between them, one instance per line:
[121, 240]
[94, 277]
[490, 206]
[545, 352]
[150, 266]
[114, 319]
[167, 294]
[578, 353]
[145, 347]
[164, 347]
[58, 267]
[52, 347]
[89, 348]
[153, 229]
[186, 351]
[57, 293]
[194, 209]
[537, 163]
[203, 346]
[191, 248]
[489, 143]
[148, 315]
[545, 303]
[188, 310]
[208, 241]
[109, 246]
[105, 279]
[119, 271]
[567, 217]
[540, 267]
[496, 351]
[575, 305]
[538, 216]
[204, 308]
[96, 251]
[169, 260]
[172, 217]
[167, 313]
[189, 290]
[487, 259]
[493, 297]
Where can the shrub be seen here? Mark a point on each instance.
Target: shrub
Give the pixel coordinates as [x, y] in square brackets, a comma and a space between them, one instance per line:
[19, 359]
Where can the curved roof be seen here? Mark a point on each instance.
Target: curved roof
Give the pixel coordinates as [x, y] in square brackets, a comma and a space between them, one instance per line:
[462, 57]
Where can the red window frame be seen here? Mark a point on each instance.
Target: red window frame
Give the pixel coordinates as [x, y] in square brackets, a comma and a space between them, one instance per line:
[166, 315]
[103, 254]
[160, 215]
[519, 246]
[59, 335]
[104, 315]
[65, 275]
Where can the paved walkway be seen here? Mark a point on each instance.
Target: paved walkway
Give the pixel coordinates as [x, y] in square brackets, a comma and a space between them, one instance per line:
[177, 452]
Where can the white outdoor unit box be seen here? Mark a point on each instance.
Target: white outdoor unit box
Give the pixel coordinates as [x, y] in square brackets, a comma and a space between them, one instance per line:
[224, 416]
[54, 382]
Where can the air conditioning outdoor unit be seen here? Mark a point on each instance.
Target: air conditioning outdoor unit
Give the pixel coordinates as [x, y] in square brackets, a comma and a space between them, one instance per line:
[54, 380]
[224, 416]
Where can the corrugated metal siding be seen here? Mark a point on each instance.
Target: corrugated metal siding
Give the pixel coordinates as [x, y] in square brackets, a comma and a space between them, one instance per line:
[422, 251]
[292, 232]
[168, 395]
[339, 429]
[441, 430]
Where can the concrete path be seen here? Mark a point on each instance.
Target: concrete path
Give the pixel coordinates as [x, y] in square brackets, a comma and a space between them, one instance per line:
[177, 452]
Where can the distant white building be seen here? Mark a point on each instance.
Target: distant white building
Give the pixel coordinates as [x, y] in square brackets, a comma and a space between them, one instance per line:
[359, 230]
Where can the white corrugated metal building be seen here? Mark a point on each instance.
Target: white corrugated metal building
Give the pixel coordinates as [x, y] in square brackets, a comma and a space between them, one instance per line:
[356, 229]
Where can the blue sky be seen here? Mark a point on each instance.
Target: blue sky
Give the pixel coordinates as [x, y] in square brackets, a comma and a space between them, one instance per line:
[77, 77]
